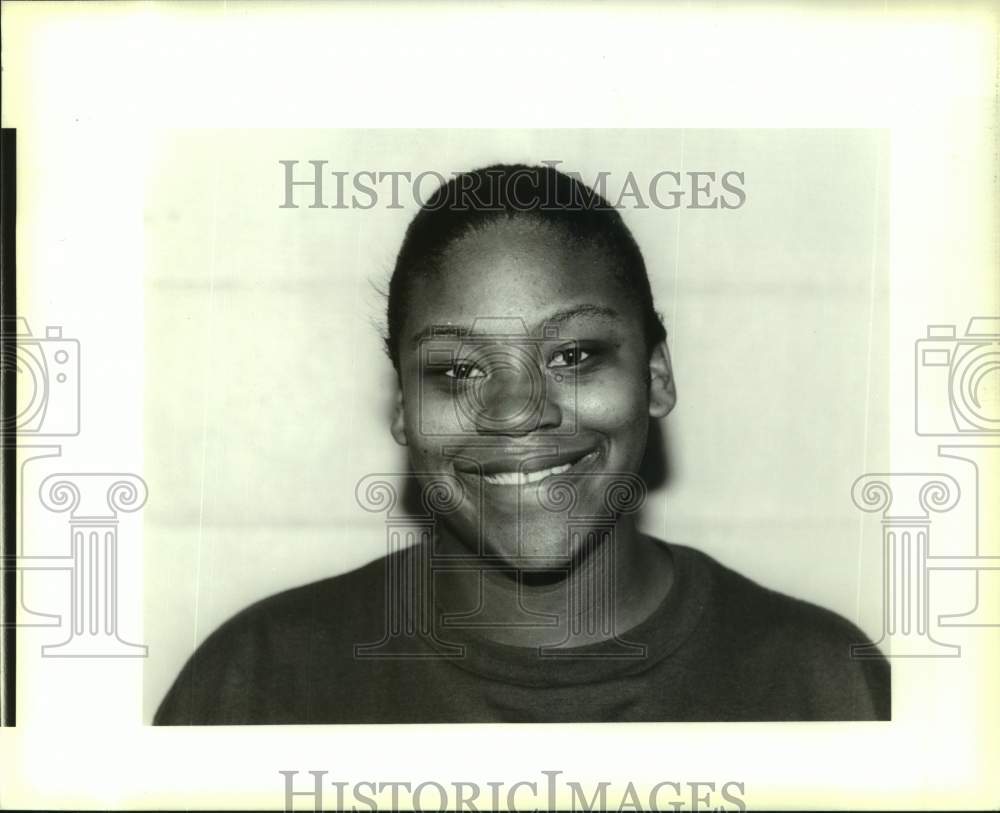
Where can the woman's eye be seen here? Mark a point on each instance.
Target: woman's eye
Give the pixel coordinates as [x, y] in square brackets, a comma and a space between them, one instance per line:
[463, 371]
[569, 357]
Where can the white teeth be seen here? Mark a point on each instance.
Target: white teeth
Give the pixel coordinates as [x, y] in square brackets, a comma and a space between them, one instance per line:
[518, 478]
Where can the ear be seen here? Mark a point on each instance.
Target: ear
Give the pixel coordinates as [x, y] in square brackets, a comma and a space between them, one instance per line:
[662, 393]
[398, 426]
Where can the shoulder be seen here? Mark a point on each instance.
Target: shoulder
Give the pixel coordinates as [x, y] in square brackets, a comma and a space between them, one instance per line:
[256, 656]
[758, 610]
[300, 612]
[795, 646]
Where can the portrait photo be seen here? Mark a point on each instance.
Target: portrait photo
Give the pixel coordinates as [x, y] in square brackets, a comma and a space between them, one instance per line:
[499, 406]
[514, 426]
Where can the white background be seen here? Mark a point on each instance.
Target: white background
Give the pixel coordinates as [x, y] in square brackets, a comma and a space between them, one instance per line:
[92, 90]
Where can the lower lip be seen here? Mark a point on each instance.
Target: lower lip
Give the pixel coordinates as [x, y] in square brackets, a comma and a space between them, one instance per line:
[582, 464]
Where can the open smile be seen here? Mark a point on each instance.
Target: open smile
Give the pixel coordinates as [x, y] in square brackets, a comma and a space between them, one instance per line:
[521, 471]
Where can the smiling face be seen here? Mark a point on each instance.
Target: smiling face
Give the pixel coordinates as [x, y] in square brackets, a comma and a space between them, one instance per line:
[524, 372]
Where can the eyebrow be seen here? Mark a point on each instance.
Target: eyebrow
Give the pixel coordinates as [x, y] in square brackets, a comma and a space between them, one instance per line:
[581, 310]
[558, 317]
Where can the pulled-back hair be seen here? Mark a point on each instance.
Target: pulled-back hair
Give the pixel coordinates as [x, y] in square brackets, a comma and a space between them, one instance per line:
[471, 201]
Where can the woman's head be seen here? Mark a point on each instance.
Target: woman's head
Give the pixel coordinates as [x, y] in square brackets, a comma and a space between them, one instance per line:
[473, 201]
[528, 353]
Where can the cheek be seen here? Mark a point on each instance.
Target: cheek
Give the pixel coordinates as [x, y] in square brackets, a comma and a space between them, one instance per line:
[428, 417]
[617, 404]
[423, 448]
[420, 423]
[429, 414]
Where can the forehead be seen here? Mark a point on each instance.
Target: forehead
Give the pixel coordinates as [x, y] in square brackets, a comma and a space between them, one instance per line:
[515, 269]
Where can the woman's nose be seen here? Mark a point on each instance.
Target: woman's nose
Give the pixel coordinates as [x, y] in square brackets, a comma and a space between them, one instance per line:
[516, 401]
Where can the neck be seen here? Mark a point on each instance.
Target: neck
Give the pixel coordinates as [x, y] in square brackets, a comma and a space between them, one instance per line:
[605, 590]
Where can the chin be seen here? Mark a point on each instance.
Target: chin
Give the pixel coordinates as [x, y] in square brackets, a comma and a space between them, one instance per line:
[518, 533]
[557, 555]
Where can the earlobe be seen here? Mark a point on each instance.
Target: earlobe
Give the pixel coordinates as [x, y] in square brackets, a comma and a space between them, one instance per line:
[398, 426]
[662, 392]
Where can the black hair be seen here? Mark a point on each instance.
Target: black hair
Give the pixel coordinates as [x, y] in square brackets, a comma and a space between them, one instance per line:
[473, 200]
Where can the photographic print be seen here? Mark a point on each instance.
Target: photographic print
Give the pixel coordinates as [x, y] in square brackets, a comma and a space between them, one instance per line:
[525, 406]
[549, 401]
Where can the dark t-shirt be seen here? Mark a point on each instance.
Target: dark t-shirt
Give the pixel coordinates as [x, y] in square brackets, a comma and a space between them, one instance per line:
[343, 650]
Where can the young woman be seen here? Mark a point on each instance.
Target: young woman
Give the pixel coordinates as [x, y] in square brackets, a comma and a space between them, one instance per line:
[530, 362]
